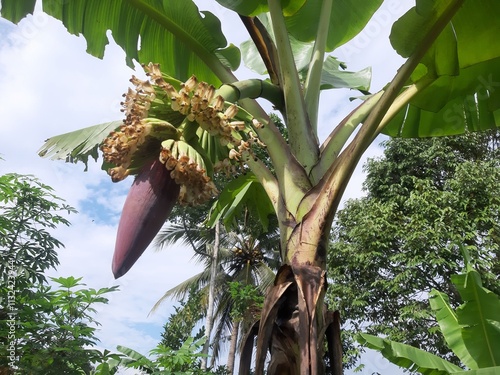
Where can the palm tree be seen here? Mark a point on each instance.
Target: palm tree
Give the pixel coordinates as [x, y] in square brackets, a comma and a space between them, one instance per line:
[242, 258]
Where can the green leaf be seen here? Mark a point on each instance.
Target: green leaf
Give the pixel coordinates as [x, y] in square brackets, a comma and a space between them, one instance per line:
[408, 32]
[15, 10]
[333, 78]
[245, 7]
[348, 18]
[190, 40]
[483, 371]
[463, 66]
[244, 191]
[67, 282]
[230, 56]
[409, 357]
[256, 7]
[132, 354]
[475, 28]
[450, 328]
[480, 318]
[78, 145]
[452, 105]
[103, 369]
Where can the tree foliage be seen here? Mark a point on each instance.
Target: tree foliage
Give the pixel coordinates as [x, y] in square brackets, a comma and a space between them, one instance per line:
[46, 327]
[165, 361]
[29, 210]
[56, 328]
[423, 199]
[181, 323]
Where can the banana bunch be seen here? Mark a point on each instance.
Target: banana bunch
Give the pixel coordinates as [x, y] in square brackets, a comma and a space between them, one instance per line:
[188, 170]
[172, 133]
[198, 102]
[128, 147]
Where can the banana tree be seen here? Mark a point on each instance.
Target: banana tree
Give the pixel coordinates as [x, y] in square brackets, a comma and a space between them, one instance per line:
[191, 114]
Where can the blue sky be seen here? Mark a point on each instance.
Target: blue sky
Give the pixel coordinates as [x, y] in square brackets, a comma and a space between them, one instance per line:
[49, 85]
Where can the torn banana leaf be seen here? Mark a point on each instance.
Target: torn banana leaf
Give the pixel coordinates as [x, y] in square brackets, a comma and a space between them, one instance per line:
[78, 145]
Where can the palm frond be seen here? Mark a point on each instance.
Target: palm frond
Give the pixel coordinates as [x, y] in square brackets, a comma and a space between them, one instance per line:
[175, 233]
[266, 277]
[181, 290]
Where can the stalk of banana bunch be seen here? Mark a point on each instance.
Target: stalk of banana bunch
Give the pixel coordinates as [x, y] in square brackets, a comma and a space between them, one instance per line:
[164, 139]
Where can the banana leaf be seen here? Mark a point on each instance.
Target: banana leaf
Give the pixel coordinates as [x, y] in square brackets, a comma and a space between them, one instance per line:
[479, 316]
[244, 191]
[348, 17]
[409, 357]
[78, 145]
[172, 33]
[450, 328]
[482, 371]
[461, 69]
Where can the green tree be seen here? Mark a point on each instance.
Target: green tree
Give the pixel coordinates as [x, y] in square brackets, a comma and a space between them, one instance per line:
[182, 361]
[181, 323]
[55, 329]
[29, 210]
[392, 247]
[470, 331]
[178, 127]
[43, 328]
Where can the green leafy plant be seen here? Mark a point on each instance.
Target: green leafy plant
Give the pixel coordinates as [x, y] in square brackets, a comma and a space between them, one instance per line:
[45, 328]
[247, 301]
[28, 210]
[56, 328]
[472, 331]
[446, 86]
[166, 361]
[181, 323]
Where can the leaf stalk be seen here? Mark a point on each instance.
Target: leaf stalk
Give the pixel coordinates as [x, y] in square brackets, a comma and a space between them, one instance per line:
[313, 78]
[302, 139]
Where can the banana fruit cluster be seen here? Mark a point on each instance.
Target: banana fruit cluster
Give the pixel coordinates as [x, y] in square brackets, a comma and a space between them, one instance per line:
[168, 159]
[120, 146]
[188, 170]
[197, 101]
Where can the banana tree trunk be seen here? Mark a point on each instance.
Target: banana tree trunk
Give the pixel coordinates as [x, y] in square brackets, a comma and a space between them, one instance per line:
[295, 320]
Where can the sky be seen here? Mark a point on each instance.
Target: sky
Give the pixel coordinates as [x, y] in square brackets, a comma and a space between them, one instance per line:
[49, 85]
